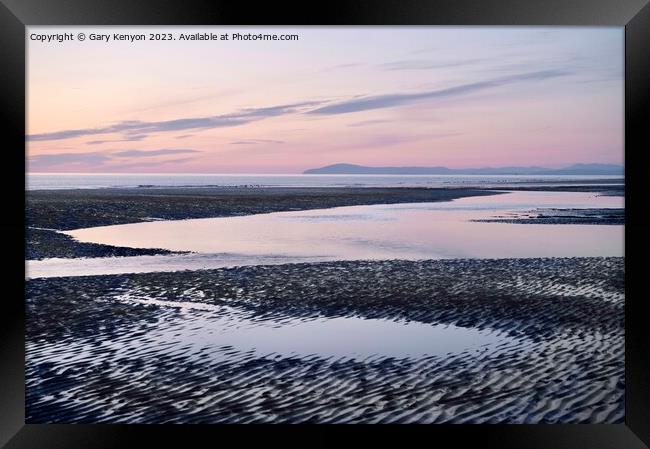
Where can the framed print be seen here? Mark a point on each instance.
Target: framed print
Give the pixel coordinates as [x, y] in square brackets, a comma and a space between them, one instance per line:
[425, 216]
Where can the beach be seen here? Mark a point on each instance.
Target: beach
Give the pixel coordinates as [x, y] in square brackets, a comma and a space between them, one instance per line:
[460, 340]
[140, 348]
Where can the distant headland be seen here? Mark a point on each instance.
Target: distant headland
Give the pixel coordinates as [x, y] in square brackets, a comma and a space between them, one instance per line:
[575, 169]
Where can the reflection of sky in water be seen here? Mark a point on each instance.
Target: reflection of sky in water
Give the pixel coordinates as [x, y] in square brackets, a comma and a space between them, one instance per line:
[406, 231]
[523, 200]
[201, 329]
[337, 217]
[200, 333]
[388, 231]
[344, 337]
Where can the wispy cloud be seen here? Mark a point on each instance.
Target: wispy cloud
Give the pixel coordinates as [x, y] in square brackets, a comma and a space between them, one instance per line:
[130, 138]
[150, 153]
[391, 100]
[368, 122]
[424, 64]
[136, 127]
[101, 158]
[43, 161]
[255, 141]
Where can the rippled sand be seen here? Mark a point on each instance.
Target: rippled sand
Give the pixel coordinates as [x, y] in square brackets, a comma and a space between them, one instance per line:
[148, 348]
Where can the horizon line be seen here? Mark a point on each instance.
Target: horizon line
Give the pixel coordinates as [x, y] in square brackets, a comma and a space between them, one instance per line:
[302, 171]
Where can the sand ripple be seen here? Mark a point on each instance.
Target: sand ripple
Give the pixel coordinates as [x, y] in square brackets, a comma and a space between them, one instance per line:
[145, 348]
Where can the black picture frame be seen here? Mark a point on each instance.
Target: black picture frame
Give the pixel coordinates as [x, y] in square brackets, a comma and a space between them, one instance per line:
[15, 15]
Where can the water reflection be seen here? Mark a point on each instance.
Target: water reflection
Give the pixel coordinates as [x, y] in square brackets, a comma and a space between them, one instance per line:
[342, 337]
[402, 231]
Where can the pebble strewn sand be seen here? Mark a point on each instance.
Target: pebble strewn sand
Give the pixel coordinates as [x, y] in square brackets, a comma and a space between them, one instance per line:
[138, 348]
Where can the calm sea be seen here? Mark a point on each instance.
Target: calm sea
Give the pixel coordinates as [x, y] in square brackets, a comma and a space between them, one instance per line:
[47, 181]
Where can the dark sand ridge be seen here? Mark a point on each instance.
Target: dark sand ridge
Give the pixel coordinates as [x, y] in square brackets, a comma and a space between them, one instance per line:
[562, 216]
[93, 356]
[613, 187]
[81, 208]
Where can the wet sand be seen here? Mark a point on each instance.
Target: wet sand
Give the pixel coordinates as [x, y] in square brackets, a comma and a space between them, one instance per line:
[609, 216]
[49, 211]
[605, 187]
[138, 348]
[45, 243]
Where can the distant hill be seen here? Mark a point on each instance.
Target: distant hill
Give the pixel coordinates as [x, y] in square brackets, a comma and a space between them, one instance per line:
[576, 169]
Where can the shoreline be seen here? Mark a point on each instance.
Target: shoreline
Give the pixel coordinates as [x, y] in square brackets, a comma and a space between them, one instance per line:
[80, 208]
[62, 210]
[49, 211]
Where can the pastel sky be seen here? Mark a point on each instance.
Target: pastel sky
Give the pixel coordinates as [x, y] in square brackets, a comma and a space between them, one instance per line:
[398, 96]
